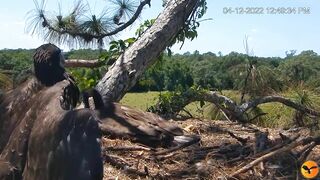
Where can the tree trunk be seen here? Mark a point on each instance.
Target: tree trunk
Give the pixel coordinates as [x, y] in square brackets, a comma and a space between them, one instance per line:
[124, 73]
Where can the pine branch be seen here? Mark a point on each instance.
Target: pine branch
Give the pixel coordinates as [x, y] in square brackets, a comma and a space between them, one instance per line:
[75, 32]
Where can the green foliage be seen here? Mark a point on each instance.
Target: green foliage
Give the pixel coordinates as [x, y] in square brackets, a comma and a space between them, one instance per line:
[172, 102]
[181, 71]
[166, 103]
[18, 64]
[86, 78]
[302, 97]
[15, 64]
[5, 82]
[189, 30]
[144, 26]
[214, 72]
[120, 45]
[15, 60]
[165, 75]
[262, 80]
[280, 115]
[302, 68]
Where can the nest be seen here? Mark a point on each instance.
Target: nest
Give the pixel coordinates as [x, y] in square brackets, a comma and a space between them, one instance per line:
[227, 150]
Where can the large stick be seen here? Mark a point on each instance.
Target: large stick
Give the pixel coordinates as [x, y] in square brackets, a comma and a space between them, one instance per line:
[278, 151]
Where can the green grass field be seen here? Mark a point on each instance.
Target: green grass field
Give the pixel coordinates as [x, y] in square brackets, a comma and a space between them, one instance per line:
[140, 100]
[278, 115]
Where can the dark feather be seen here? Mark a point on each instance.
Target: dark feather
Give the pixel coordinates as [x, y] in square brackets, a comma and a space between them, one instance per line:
[47, 64]
[144, 127]
[313, 167]
[305, 167]
[38, 138]
[46, 53]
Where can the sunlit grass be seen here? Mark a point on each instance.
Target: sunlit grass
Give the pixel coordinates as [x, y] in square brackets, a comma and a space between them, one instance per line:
[140, 100]
[280, 115]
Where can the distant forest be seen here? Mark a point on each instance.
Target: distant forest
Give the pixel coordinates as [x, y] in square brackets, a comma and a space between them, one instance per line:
[181, 71]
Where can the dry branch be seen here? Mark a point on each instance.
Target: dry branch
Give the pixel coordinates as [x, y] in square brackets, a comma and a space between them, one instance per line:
[267, 99]
[278, 151]
[128, 148]
[72, 63]
[243, 141]
[274, 148]
[306, 151]
[231, 109]
[120, 163]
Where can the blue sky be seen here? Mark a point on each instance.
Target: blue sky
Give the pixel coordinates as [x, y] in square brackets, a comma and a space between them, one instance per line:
[268, 35]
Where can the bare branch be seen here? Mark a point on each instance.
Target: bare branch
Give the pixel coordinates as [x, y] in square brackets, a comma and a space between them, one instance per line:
[267, 99]
[72, 63]
[243, 141]
[129, 148]
[120, 163]
[231, 108]
[278, 151]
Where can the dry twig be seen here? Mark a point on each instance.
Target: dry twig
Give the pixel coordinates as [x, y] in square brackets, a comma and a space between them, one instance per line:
[278, 151]
[128, 148]
[243, 141]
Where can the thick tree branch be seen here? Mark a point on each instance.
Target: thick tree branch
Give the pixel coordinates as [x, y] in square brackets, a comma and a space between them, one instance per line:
[219, 99]
[267, 99]
[72, 63]
[239, 111]
[124, 73]
[228, 106]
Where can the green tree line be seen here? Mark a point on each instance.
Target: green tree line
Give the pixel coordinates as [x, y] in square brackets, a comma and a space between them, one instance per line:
[181, 71]
[218, 72]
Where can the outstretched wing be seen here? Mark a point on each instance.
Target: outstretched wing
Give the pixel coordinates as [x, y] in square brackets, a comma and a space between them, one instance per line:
[305, 167]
